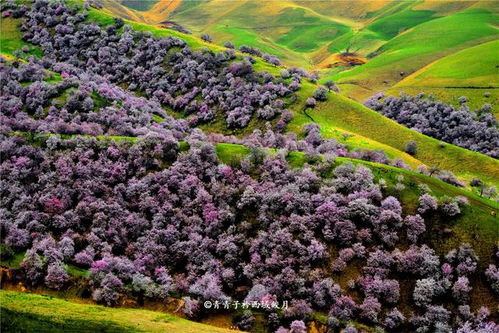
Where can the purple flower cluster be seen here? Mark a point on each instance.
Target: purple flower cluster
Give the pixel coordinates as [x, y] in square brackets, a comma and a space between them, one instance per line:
[200, 84]
[92, 106]
[475, 130]
[155, 217]
[148, 222]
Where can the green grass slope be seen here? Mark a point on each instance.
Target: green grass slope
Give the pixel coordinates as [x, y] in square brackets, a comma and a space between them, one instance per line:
[10, 38]
[472, 72]
[374, 131]
[139, 5]
[420, 46]
[22, 312]
[286, 30]
[392, 25]
[472, 67]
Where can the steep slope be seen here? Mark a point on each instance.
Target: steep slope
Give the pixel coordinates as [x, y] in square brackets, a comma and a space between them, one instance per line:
[371, 130]
[160, 183]
[390, 39]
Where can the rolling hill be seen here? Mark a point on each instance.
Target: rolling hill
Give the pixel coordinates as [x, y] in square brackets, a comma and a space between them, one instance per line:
[337, 116]
[394, 39]
[126, 174]
[369, 130]
[472, 72]
[420, 46]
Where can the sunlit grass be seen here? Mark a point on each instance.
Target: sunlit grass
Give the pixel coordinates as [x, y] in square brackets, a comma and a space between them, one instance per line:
[23, 312]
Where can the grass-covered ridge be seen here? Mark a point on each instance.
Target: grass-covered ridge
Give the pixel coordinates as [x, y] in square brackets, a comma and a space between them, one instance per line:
[471, 72]
[22, 312]
[472, 67]
[372, 130]
[420, 46]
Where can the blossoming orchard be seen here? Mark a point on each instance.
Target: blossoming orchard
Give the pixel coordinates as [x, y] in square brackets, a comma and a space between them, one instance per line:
[109, 167]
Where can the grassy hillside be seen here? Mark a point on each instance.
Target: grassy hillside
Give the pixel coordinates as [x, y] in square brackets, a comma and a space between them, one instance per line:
[477, 225]
[22, 312]
[396, 36]
[420, 46]
[371, 130]
[474, 66]
[337, 117]
[471, 72]
[11, 38]
[476, 97]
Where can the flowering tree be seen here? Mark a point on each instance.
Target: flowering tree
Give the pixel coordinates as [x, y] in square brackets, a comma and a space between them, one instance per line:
[472, 130]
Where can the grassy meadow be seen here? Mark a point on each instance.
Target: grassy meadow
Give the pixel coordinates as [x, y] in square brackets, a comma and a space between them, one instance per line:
[23, 312]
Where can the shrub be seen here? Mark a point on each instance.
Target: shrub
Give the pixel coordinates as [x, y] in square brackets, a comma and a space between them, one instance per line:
[331, 86]
[229, 45]
[109, 292]
[206, 38]
[344, 308]
[298, 326]
[411, 148]
[369, 309]
[320, 94]
[461, 127]
[425, 290]
[245, 321]
[427, 203]
[394, 319]
[191, 307]
[492, 274]
[56, 276]
[415, 227]
[33, 266]
[461, 290]
[311, 102]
